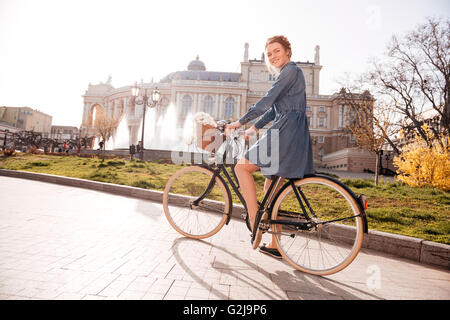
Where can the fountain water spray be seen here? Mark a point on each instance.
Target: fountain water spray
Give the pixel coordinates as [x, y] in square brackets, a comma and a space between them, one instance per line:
[161, 132]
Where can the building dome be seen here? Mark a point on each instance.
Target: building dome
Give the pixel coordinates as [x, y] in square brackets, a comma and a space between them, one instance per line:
[196, 65]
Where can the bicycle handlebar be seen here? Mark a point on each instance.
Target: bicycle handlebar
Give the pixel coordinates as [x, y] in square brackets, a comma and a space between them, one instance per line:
[221, 124]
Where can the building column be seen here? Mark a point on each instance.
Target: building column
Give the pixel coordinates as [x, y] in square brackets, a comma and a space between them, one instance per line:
[244, 105]
[345, 115]
[178, 102]
[314, 117]
[86, 113]
[340, 116]
[194, 103]
[328, 118]
[221, 115]
[216, 107]
[238, 109]
[173, 96]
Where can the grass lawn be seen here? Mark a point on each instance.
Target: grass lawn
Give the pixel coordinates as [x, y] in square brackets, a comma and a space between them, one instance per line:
[392, 207]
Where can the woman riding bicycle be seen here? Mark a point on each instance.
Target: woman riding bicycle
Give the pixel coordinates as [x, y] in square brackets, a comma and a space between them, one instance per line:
[287, 143]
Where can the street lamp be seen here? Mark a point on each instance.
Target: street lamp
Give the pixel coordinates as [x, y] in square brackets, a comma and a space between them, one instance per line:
[4, 140]
[144, 100]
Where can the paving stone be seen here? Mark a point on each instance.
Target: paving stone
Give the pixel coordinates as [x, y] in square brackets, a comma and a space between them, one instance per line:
[108, 246]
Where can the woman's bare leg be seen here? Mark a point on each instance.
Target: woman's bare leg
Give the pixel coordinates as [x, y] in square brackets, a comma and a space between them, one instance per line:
[244, 170]
[267, 183]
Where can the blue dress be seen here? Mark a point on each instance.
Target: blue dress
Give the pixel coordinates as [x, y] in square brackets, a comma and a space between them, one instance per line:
[285, 149]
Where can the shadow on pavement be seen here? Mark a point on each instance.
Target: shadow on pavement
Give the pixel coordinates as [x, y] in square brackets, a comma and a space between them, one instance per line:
[298, 285]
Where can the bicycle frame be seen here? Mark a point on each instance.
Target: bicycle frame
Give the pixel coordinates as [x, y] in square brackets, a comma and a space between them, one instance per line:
[269, 199]
[221, 168]
[360, 201]
[270, 194]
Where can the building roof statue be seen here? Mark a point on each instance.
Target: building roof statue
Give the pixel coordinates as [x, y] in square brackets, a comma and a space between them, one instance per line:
[317, 55]
[246, 52]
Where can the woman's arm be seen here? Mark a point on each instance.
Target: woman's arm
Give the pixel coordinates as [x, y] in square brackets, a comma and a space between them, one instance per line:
[268, 116]
[283, 83]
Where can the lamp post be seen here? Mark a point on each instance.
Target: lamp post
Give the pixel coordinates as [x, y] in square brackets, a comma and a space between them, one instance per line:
[4, 140]
[144, 100]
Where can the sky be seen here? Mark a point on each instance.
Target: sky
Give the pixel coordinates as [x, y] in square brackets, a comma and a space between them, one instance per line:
[50, 50]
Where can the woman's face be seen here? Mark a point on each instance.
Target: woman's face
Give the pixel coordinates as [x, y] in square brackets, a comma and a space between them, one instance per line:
[277, 55]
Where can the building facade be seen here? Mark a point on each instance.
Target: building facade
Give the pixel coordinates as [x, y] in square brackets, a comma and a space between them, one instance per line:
[26, 118]
[228, 95]
[64, 133]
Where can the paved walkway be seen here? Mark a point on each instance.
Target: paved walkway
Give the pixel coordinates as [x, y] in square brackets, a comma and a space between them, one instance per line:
[59, 242]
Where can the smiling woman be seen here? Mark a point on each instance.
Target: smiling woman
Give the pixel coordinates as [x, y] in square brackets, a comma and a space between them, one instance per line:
[279, 52]
[288, 140]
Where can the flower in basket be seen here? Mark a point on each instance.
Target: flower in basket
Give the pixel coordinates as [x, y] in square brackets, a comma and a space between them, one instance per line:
[202, 118]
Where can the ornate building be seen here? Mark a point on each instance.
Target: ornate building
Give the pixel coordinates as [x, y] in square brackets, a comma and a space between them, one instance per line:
[228, 95]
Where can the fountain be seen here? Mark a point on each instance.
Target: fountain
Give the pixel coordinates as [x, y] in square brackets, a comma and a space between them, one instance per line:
[122, 134]
[165, 130]
[162, 136]
[121, 137]
[96, 141]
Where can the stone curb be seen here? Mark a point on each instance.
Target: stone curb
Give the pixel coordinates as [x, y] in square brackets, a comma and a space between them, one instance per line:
[416, 249]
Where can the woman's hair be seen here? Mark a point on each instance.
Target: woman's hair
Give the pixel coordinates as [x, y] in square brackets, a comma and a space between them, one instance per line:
[281, 40]
[286, 45]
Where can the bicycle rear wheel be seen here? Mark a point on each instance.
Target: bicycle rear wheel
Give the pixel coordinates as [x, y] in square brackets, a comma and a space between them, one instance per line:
[337, 235]
[193, 219]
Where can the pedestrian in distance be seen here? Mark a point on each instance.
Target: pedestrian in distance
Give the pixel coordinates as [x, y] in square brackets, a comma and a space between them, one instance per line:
[132, 151]
[138, 150]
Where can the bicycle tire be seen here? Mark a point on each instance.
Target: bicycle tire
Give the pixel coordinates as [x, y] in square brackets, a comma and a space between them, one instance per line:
[204, 220]
[330, 246]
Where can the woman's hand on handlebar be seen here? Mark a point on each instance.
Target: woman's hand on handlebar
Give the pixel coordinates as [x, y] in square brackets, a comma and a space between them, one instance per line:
[251, 132]
[229, 128]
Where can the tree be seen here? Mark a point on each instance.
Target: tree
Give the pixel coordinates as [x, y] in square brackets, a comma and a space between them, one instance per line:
[420, 165]
[415, 76]
[105, 126]
[28, 139]
[369, 122]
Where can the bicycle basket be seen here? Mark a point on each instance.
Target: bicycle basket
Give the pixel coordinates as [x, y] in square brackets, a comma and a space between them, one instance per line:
[206, 133]
[206, 137]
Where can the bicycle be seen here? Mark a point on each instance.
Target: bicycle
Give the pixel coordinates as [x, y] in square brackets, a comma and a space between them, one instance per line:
[318, 222]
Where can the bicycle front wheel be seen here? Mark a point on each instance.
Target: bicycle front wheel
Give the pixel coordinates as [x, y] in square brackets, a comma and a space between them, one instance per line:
[337, 233]
[196, 203]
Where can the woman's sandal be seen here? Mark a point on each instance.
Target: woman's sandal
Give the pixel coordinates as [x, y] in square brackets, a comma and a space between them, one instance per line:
[273, 252]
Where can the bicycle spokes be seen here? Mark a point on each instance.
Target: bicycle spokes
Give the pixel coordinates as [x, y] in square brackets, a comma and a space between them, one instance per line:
[318, 226]
[196, 202]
